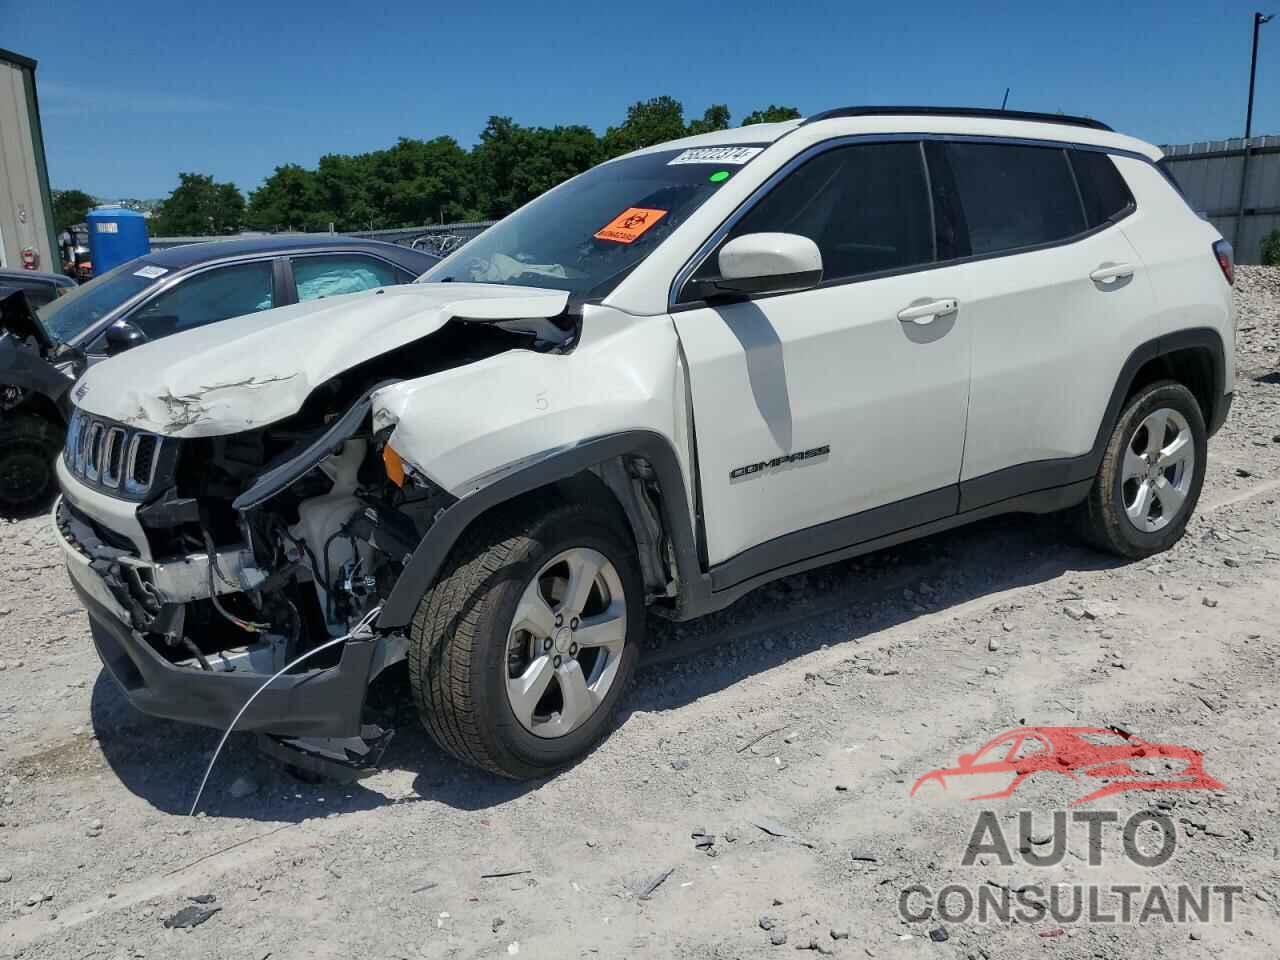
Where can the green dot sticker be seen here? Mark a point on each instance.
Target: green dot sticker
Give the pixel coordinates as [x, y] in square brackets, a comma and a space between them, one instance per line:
[720, 176]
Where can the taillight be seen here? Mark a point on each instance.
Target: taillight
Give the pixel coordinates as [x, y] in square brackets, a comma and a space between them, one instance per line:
[1226, 258]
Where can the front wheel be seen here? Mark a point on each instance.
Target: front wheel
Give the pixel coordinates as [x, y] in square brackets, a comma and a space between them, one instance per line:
[520, 652]
[1151, 474]
[29, 445]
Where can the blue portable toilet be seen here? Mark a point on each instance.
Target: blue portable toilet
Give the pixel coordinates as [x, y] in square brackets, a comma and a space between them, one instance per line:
[116, 235]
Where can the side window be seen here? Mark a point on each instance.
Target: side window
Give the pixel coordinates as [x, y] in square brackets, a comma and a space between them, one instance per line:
[1015, 196]
[207, 297]
[329, 276]
[1105, 195]
[865, 206]
[38, 294]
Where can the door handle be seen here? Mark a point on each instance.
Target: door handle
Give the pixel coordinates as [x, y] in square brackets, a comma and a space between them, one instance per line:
[1111, 272]
[923, 313]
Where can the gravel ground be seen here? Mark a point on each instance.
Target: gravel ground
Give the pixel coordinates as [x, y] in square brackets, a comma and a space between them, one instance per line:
[808, 709]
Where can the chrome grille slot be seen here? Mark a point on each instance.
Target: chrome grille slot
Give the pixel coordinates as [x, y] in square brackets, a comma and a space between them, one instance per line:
[142, 462]
[112, 456]
[93, 451]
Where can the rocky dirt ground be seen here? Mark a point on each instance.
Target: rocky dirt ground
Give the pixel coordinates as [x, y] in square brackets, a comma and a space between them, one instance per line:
[808, 710]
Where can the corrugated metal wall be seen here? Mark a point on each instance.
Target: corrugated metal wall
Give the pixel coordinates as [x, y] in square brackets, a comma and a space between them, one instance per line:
[1210, 174]
[22, 204]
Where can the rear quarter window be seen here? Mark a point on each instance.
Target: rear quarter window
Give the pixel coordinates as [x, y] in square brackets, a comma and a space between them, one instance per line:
[1103, 191]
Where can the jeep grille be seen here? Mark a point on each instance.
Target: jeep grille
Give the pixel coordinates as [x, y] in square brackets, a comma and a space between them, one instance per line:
[111, 456]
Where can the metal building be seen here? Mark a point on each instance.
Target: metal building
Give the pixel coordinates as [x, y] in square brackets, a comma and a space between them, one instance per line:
[1236, 185]
[26, 211]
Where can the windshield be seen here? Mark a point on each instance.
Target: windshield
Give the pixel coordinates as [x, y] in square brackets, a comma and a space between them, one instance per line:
[586, 234]
[69, 316]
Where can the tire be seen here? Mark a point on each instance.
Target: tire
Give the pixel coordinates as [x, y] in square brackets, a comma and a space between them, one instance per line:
[465, 648]
[29, 445]
[1103, 519]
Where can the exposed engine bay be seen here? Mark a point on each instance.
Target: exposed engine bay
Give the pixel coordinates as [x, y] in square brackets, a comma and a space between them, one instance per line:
[263, 545]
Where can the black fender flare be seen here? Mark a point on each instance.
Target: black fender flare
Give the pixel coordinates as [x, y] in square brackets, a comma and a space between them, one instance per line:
[23, 367]
[1206, 338]
[429, 557]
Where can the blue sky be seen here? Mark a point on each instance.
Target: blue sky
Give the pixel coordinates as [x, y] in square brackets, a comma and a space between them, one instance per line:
[133, 92]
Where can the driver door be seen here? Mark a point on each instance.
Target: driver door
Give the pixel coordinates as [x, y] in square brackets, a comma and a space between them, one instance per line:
[823, 418]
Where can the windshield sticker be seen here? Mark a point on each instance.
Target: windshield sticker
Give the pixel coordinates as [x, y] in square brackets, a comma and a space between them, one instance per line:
[150, 273]
[717, 155]
[629, 225]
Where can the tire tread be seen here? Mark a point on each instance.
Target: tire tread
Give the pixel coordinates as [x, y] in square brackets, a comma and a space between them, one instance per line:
[1097, 521]
[446, 632]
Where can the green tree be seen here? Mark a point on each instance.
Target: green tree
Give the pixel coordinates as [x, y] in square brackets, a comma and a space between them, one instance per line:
[344, 192]
[716, 117]
[199, 207]
[514, 164]
[69, 208]
[418, 182]
[771, 114]
[1271, 249]
[289, 199]
[648, 122]
[421, 181]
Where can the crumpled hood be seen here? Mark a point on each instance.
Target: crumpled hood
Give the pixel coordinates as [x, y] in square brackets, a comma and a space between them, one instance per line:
[254, 370]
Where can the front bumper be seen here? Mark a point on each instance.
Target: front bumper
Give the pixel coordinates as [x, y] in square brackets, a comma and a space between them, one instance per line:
[326, 702]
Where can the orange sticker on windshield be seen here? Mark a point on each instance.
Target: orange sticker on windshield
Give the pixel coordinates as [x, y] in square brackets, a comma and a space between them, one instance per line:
[630, 224]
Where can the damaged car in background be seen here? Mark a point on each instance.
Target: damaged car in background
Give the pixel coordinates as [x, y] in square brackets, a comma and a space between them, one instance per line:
[680, 375]
[46, 342]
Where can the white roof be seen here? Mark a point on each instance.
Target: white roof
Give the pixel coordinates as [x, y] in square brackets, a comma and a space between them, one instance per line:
[991, 126]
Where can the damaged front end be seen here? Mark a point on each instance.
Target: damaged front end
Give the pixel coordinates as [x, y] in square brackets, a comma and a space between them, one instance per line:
[209, 563]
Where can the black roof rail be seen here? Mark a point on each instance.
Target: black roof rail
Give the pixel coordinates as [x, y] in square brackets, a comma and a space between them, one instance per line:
[989, 112]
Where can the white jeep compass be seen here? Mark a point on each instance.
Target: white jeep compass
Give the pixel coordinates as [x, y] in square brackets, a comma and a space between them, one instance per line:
[684, 373]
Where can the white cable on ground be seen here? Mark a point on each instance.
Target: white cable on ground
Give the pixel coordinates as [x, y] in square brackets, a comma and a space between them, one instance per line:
[363, 625]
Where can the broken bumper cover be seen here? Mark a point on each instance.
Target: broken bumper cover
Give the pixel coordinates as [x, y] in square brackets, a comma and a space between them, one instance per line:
[326, 702]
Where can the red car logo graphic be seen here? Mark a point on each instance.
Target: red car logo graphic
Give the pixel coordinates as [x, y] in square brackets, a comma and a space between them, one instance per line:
[1087, 755]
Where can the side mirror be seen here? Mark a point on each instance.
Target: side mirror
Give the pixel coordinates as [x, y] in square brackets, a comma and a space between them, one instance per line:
[122, 335]
[768, 263]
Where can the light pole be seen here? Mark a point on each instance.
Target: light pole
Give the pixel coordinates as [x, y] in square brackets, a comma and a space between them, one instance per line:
[1258, 20]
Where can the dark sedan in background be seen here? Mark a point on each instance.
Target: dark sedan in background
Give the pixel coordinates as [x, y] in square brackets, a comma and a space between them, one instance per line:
[47, 342]
[40, 288]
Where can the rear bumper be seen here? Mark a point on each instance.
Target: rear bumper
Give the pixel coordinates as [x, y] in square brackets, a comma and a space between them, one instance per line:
[326, 702]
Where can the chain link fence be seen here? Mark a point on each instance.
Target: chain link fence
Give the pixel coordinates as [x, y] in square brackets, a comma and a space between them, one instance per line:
[440, 239]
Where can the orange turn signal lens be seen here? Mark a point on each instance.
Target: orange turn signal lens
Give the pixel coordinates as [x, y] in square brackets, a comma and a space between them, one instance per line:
[395, 466]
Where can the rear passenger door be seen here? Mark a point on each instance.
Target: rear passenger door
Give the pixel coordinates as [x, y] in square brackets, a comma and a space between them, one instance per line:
[333, 274]
[845, 399]
[1057, 295]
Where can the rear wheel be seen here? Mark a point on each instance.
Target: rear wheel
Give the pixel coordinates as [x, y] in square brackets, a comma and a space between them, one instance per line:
[1151, 474]
[521, 651]
[29, 444]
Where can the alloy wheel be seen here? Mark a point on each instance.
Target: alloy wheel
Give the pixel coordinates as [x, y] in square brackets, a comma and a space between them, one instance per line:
[566, 642]
[1159, 466]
